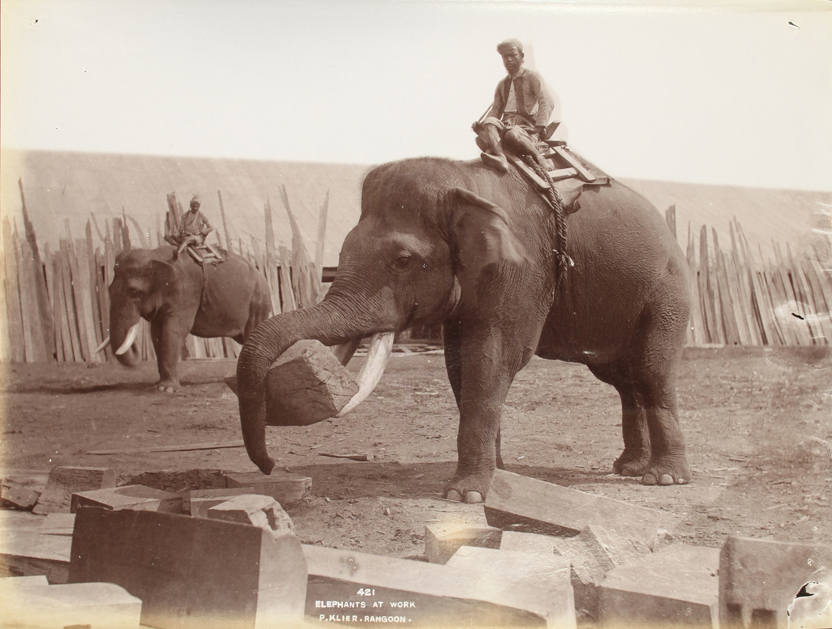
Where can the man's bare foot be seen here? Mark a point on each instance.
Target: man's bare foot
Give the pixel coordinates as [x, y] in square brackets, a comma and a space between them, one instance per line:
[497, 162]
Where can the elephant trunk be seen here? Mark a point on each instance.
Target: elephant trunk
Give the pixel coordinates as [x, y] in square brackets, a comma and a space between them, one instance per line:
[327, 323]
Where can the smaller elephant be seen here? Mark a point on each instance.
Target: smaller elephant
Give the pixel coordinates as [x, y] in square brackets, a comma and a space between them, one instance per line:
[178, 296]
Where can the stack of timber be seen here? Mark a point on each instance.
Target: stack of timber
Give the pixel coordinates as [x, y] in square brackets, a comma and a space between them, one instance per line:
[741, 298]
[55, 305]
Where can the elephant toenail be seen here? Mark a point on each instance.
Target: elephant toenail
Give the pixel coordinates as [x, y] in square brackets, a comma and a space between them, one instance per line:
[473, 497]
[681, 481]
[453, 494]
[648, 479]
[666, 479]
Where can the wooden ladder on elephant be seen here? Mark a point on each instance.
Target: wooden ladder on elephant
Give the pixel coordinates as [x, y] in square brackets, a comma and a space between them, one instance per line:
[563, 165]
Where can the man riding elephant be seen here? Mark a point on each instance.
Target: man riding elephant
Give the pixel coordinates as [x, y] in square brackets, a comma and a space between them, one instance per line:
[519, 114]
[195, 227]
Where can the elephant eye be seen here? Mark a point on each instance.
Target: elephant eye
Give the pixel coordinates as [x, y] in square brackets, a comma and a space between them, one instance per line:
[403, 261]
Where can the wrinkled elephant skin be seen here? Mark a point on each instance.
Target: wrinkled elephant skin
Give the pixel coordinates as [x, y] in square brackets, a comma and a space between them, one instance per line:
[455, 242]
[229, 299]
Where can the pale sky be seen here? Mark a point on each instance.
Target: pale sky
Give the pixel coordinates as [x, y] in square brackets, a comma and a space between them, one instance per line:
[716, 93]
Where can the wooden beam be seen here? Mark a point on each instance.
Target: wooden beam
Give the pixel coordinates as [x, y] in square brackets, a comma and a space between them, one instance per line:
[573, 161]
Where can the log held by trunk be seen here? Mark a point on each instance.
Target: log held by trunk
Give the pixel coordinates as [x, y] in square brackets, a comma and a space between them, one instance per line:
[305, 385]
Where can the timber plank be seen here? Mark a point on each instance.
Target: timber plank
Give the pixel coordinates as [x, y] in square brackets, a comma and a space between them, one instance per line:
[49, 267]
[737, 301]
[786, 290]
[5, 342]
[705, 292]
[696, 326]
[103, 301]
[573, 161]
[774, 336]
[271, 257]
[26, 314]
[729, 321]
[31, 276]
[95, 301]
[744, 289]
[69, 305]
[44, 320]
[60, 309]
[82, 263]
[12, 286]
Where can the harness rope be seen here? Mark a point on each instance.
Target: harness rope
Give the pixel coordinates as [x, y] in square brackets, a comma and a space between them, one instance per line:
[562, 260]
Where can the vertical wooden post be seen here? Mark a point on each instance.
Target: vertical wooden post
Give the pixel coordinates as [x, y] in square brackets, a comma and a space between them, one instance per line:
[670, 217]
[271, 260]
[13, 312]
[36, 265]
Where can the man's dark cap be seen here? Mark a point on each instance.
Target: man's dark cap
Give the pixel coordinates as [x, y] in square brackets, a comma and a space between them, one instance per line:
[503, 46]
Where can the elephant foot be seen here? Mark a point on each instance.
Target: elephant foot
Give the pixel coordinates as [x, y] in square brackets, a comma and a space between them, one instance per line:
[667, 470]
[469, 488]
[167, 386]
[631, 463]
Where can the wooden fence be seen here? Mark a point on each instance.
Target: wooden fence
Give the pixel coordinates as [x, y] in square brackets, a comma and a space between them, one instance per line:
[56, 303]
[741, 298]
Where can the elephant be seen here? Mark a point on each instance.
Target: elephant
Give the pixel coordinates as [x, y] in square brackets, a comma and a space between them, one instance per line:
[179, 297]
[455, 242]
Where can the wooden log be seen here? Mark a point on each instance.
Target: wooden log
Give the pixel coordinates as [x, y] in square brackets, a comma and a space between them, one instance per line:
[192, 572]
[534, 506]
[284, 487]
[118, 236]
[69, 301]
[65, 481]
[136, 497]
[369, 590]
[737, 301]
[5, 339]
[35, 282]
[307, 384]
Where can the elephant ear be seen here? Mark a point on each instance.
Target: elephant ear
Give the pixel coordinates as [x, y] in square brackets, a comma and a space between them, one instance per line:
[164, 274]
[484, 240]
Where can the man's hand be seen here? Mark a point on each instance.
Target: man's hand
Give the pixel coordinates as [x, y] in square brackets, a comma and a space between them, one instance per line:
[541, 132]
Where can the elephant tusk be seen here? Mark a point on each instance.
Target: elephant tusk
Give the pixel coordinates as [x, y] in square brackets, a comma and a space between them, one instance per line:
[381, 346]
[344, 351]
[132, 333]
[101, 347]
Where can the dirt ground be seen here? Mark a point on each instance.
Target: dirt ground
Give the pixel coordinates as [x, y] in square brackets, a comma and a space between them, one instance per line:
[758, 424]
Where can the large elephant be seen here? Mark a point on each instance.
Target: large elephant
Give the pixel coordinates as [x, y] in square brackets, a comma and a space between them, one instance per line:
[178, 297]
[455, 242]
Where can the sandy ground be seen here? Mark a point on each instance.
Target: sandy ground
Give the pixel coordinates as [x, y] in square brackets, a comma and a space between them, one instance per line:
[758, 424]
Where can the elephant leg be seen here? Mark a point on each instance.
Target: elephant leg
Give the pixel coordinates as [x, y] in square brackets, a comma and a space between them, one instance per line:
[489, 363]
[633, 461]
[668, 464]
[168, 335]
